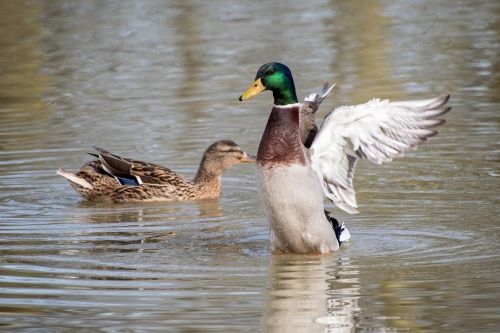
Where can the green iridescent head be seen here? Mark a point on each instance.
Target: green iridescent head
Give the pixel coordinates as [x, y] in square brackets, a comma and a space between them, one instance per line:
[277, 78]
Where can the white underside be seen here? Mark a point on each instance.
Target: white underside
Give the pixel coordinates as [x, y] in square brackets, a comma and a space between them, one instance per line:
[293, 198]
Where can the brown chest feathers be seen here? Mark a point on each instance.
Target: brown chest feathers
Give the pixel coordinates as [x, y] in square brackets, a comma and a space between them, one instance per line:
[280, 143]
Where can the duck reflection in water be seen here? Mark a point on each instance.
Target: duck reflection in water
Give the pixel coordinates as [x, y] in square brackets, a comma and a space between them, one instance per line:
[307, 293]
[131, 227]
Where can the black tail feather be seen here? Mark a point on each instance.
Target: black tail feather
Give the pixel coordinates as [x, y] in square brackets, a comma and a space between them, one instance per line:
[337, 227]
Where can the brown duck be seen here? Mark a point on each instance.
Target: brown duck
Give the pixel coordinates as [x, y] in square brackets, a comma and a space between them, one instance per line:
[113, 178]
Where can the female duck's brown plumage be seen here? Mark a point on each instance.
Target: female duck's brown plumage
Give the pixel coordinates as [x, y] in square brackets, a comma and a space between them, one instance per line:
[112, 178]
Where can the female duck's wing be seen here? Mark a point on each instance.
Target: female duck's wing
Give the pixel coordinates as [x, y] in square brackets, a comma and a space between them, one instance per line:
[377, 131]
[308, 108]
[133, 172]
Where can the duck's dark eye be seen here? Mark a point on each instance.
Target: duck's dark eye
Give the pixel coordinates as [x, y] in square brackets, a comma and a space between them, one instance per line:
[271, 72]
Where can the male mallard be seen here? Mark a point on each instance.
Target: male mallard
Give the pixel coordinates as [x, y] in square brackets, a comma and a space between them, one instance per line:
[112, 178]
[294, 179]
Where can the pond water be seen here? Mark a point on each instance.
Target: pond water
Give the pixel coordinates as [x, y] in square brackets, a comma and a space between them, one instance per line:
[159, 81]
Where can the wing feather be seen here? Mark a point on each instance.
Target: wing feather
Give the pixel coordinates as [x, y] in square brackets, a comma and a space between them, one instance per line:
[141, 172]
[308, 108]
[378, 131]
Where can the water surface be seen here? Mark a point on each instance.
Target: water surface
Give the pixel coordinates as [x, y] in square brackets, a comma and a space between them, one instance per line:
[159, 80]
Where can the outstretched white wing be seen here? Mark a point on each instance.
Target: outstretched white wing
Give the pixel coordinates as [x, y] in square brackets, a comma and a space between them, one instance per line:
[377, 131]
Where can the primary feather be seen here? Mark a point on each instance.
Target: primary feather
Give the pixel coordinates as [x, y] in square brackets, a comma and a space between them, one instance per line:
[377, 131]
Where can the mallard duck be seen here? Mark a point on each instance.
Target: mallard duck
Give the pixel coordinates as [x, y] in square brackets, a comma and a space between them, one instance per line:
[295, 179]
[112, 178]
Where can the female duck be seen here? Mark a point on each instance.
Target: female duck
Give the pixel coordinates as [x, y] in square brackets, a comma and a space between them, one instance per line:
[294, 179]
[112, 178]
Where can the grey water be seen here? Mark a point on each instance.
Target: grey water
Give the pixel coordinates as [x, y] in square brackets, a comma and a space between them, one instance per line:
[160, 81]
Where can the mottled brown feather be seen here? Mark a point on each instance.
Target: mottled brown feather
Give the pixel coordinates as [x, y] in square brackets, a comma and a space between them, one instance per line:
[158, 183]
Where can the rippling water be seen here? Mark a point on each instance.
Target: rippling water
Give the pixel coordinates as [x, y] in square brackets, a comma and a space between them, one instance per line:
[159, 80]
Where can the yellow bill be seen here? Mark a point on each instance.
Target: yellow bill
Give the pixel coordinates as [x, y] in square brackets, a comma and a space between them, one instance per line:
[256, 88]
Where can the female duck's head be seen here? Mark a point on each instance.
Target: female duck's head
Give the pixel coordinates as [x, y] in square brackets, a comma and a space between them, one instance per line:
[277, 78]
[220, 156]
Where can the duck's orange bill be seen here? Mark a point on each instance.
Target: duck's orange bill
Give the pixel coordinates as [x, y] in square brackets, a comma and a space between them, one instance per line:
[248, 159]
[256, 88]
